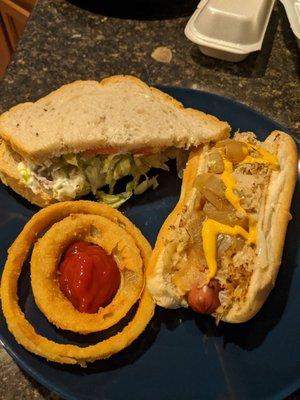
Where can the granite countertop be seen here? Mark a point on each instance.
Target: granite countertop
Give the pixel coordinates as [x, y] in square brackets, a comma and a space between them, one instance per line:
[63, 42]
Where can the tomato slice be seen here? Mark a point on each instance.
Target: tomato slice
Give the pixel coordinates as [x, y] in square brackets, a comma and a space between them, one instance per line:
[102, 150]
[115, 150]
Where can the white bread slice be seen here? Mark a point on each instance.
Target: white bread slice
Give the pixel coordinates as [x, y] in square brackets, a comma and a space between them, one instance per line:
[120, 111]
[270, 240]
[9, 175]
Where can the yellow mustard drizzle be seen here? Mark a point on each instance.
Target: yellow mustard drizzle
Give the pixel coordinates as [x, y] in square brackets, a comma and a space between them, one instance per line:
[265, 157]
[230, 185]
[211, 229]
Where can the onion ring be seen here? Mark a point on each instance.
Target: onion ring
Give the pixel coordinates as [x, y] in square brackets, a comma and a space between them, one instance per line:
[45, 258]
[24, 332]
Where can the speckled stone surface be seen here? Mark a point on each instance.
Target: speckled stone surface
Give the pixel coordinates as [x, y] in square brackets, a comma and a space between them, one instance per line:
[15, 385]
[63, 42]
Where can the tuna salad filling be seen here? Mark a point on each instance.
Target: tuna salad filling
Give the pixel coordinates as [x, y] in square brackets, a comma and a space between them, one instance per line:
[74, 175]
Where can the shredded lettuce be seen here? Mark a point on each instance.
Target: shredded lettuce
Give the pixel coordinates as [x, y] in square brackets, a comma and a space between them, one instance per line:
[74, 175]
[71, 159]
[114, 200]
[132, 187]
[146, 184]
[24, 172]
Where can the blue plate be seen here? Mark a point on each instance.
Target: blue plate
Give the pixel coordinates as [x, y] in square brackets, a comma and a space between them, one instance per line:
[181, 355]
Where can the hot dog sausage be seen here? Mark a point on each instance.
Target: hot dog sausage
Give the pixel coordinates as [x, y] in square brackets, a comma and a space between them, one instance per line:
[204, 300]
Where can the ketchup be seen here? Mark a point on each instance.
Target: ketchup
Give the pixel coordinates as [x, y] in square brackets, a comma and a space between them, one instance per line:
[88, 276]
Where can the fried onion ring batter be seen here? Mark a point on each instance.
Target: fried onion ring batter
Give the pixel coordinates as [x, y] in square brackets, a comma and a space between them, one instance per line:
[23, 331]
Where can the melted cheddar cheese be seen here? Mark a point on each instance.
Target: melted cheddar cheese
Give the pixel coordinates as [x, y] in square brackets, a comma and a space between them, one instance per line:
[211, 229]
[265, 157]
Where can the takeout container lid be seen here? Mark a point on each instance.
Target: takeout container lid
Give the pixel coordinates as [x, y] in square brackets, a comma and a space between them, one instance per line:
[292, 8]
[229, 29]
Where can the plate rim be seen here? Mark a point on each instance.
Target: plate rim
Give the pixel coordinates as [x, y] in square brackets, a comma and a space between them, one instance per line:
[47, 383]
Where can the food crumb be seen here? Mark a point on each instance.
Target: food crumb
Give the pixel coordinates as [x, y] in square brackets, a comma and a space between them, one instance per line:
[162, 54]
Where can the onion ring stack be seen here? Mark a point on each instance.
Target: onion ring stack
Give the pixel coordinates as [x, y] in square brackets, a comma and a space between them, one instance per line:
[68, 222]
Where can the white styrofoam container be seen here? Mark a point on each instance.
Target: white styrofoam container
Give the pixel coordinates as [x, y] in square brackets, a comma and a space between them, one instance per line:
[229, 29]
[292, 8]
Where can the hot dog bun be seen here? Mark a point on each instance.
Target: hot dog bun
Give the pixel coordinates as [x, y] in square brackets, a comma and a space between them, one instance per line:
[260, 261]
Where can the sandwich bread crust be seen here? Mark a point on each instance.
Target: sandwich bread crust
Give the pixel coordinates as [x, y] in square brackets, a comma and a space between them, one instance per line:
[120, 111]
[10, 177]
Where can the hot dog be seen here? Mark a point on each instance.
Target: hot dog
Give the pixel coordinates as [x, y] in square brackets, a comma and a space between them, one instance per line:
[205, 299]
[220, 249]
